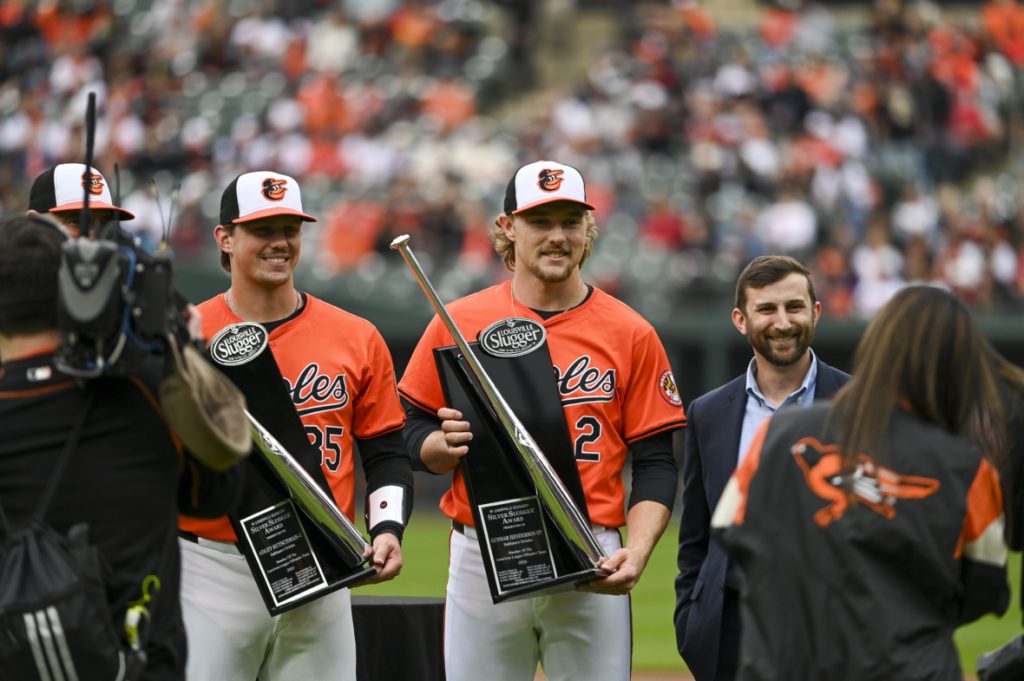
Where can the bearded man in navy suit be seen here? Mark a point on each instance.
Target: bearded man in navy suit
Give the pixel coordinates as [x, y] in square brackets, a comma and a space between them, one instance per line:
[777, 310]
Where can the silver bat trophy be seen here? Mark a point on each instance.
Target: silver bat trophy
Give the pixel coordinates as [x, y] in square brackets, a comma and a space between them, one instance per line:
[569, 520]
[319, 508]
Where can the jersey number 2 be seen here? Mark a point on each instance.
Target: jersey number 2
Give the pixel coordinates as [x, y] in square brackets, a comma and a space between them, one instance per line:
[590, 431]
[326, 440]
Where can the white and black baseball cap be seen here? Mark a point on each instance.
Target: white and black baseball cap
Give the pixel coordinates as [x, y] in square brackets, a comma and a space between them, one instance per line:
[62, 187]
[543, 182]
[261, 194]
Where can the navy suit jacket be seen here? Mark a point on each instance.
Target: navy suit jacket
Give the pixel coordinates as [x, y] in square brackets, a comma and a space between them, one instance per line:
[713, 428]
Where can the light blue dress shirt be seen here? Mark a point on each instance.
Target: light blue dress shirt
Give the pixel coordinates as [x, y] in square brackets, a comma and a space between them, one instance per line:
[758, 408]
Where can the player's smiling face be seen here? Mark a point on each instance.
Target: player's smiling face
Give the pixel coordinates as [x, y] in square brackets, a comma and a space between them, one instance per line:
[779, 319]
[264, 251]
[549, 240]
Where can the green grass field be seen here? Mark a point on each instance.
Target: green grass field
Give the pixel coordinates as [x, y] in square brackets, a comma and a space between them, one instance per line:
[654, 647]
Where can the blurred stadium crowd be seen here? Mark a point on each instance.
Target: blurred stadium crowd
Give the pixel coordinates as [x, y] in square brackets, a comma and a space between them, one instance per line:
[881, 150]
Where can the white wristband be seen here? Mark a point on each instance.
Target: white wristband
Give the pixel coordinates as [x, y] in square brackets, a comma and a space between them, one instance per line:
[387, 504]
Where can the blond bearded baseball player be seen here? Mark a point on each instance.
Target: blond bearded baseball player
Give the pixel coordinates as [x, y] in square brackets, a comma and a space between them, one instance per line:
[619, 400]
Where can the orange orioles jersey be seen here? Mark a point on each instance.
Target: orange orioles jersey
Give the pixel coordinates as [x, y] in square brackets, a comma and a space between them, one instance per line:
[613, 376]
[342, 382]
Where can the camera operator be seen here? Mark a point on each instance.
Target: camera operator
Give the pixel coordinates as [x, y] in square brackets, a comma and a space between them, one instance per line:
[128, 473]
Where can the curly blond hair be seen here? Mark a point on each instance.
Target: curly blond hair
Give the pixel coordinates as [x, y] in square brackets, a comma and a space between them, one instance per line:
[506, 248]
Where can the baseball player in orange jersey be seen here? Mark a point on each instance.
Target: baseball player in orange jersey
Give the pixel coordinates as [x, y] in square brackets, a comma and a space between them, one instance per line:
[342, 382]
[618, 397]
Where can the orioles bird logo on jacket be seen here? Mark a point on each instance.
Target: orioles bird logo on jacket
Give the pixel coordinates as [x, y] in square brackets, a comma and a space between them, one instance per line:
[274, 188]
[877, 487]
[550, 180]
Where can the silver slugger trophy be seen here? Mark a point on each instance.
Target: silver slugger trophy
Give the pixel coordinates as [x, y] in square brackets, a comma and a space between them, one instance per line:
[299, 546]
[318, 507]
[558, 504]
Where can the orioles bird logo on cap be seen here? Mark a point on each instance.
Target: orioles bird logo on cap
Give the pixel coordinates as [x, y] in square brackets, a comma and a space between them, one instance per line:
[550, 180]
[95, 183]
[274, 188]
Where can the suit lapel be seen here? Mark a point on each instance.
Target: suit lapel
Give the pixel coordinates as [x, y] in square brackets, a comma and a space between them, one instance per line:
[827, 384]
[726, 444]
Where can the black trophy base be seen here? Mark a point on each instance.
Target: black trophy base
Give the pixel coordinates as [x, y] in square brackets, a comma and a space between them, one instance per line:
[523, 550]
[292, 559]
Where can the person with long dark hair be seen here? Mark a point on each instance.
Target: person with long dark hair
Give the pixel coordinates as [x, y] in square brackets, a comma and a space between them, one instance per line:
[870, 528]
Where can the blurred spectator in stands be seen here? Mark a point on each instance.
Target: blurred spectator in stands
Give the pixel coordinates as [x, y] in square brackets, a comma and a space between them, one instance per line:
[260, 34]
[150, 216]
[834, 282]
[878, 267]
[788, 226]
[332, 45]
[915, 214]
[663, 227]
[1003, 21]
[961, 262]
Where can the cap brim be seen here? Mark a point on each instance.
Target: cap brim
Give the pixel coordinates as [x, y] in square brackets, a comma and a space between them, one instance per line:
[93, 205]
[271, 212]
[551, 199]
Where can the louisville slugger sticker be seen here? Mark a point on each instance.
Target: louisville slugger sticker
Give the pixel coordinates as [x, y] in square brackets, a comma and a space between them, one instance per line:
[512, 337]
[238, 343]
[667, 388]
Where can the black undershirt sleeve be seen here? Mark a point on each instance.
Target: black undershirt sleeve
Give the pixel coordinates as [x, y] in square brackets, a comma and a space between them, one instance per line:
[385, 462]
[418, 425]
[655, 474]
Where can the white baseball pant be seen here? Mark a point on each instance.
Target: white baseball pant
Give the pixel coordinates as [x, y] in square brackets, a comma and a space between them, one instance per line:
[232, 637]
[575, 636]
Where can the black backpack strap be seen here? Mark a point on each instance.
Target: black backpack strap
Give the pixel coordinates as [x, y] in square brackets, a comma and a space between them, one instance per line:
[65, 456]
